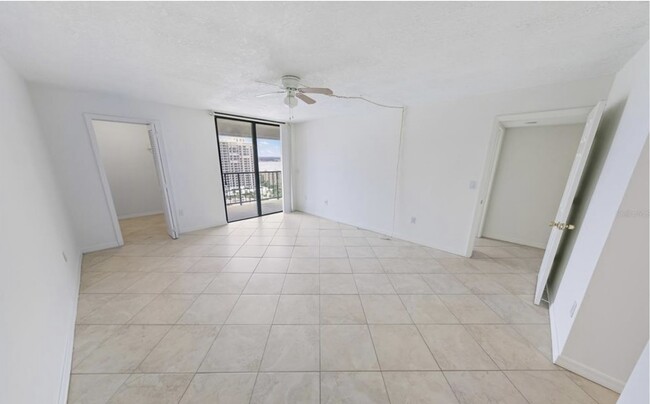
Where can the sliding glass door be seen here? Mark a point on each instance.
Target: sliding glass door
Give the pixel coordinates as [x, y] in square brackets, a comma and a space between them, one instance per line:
[251, 167]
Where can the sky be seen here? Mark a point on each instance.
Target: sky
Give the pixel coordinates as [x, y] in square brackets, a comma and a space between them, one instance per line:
[269, 148]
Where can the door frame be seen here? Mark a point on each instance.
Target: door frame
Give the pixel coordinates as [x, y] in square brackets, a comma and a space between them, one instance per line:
[162, 157]
[253, 122]
[566, 116]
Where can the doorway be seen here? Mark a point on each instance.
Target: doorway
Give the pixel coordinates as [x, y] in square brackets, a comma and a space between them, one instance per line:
[130, 158]
[250, 154]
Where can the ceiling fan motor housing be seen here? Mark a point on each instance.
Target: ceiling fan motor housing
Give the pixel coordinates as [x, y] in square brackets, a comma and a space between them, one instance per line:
[290, 82]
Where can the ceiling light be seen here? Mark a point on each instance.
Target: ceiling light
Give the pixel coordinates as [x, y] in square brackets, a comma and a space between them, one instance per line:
[290, 101]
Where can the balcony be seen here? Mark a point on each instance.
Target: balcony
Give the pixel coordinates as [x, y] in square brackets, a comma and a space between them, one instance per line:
[240, 189]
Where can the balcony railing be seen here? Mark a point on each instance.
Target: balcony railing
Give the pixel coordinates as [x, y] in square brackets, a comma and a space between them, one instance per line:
[241, 187]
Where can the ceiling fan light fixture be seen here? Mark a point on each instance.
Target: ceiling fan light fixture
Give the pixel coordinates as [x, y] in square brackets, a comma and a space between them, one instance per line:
[290, 101]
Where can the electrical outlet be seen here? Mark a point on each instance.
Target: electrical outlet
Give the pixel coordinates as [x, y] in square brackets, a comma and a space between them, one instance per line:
[573, 309]
[413, 219]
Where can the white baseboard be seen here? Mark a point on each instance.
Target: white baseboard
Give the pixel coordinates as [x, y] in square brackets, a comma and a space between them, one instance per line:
[590, 373]
[131, 216]
[64, 387]
[200, 227]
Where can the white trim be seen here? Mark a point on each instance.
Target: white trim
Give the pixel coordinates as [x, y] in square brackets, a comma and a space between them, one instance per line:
[502, 122]
[202, 227]
[64, 387]
[141, 214]
[590, 373]
[99, 247]
[153, 124]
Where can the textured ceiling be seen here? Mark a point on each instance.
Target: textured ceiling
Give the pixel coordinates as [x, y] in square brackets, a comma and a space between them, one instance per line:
[210, 55]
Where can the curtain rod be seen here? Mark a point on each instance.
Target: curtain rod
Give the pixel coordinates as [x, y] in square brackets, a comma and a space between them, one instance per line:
[248, 118]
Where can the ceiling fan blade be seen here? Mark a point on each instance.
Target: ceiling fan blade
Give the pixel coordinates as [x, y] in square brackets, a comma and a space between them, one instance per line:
[272, 93]
[313, 90]
[306, 99]
[268, 84]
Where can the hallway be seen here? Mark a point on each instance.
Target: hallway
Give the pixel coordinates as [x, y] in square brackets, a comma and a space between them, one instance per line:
[291, 308]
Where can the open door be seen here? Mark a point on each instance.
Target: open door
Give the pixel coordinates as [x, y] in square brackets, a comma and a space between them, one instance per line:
[168, 205]
[559, 224]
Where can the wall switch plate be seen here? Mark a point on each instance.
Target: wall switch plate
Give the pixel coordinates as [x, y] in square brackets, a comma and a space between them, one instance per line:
[472, 184]
[413, 219]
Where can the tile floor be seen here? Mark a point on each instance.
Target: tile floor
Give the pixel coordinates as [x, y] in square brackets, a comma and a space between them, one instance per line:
[290, 308]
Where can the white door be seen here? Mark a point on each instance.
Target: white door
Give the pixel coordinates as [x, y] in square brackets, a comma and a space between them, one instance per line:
[559, 224]
[156, 149]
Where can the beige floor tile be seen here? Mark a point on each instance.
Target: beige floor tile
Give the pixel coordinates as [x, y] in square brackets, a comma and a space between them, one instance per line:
[174, 264]
[87, 338]
[220, 388]
[366, 266]
[254, 309]
[264, 284]
[335, 266]
[88, 303]
[307, 241]
[251, 251]
[190, 283]
[94, 389]
[181, 350]
[304, 266]
[418, 387]
[114, 282]
[305, 252]
[333, 251]
[292, 348]
[238, 264]
[337, 284]
[353, 388]
[400, 347]
[469, 309]
[259, 240]
[482, 284]
[209, 309]
[118, 310]
[297, 309]
[427, 309]
[385, 309]
[287, 388]
[360, 252]
[164, 309]
[277, 251]
[341, 309]
[347, 348]
[373, 284]
[538, 335]
[548, 387]
[209, 264]
[508, 349]
[445, 284]
[454, 348]
[483, 387]
[237, 348]
[331, 241]
[273, 265]
[601, 394]
[230, 283]
[123, 351]
[153, 282]
[152, 389]
[513, 309]
[515, 283]
[458, 265]
[301, 284]
[490, 266]
[226, 251]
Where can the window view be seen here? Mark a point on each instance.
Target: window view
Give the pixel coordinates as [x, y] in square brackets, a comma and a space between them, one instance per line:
[251, 168]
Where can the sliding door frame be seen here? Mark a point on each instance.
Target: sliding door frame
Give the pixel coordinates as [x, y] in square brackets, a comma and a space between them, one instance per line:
[253, 122]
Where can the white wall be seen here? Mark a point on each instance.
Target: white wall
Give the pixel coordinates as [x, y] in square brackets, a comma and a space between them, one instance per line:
[350, 161]
[606, 274]
[530, 177]
[38, 288]
[636, 388]
[190, 139]
[126, 155]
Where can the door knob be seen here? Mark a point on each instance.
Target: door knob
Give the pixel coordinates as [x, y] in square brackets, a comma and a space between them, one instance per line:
[562, 226]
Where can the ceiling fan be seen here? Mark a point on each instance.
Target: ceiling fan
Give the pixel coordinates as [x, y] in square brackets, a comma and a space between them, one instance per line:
[294, 91]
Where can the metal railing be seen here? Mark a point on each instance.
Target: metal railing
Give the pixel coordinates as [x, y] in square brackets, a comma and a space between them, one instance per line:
[241, 187]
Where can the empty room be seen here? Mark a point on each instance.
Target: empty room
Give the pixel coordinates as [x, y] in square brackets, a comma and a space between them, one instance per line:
[324, 202]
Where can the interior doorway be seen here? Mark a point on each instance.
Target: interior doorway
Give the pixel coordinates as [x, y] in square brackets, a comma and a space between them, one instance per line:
[250, 153]
[132, 166]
